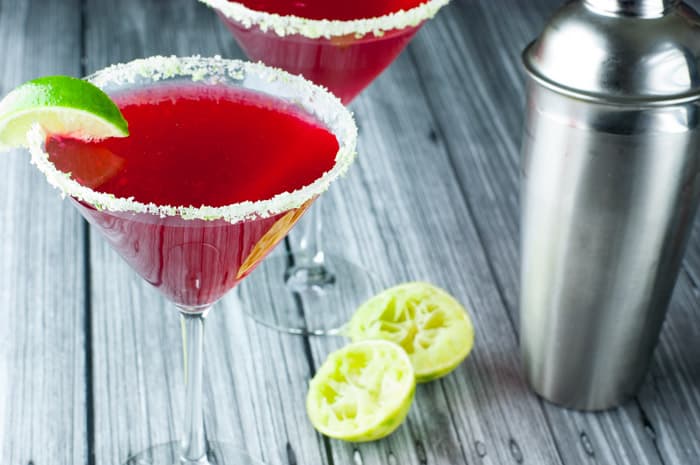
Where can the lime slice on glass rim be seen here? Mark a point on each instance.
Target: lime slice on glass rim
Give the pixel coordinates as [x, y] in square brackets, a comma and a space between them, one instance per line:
[362, 392]
[60, 105]
[428, 323]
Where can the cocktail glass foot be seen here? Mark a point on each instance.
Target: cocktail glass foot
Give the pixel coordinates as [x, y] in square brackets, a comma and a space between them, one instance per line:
[312, 295]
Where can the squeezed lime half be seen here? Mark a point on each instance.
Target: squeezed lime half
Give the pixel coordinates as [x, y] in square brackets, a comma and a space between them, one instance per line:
[60, 105]
[428, 323]
[362, 392]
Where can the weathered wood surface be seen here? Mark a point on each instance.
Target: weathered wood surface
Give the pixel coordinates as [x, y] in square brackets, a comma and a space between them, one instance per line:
[434, 196]
[43, 376]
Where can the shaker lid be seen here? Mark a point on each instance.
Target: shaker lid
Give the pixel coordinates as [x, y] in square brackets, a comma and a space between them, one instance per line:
[620, 50]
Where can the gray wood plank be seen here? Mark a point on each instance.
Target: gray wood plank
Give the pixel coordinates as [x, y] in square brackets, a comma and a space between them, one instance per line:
[477, 95]
[255, 378]
[401, 214]
[671, 396]
[42, 339]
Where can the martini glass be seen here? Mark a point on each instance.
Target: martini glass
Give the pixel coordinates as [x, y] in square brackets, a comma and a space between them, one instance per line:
[194, 255]
[344, 46]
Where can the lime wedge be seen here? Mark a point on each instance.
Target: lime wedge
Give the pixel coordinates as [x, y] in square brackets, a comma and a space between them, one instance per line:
[362, 392]
[431, 326]
[61, 105]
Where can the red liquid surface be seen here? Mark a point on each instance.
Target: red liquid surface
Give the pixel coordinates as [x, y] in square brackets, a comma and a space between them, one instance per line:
[198, 145]
[345, 65]
[331, 9]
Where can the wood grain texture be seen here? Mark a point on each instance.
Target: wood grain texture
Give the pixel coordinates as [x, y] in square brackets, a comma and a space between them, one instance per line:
[671, 396]
[43, 416]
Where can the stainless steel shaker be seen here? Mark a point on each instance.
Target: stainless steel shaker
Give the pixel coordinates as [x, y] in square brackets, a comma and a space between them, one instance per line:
[611, 157]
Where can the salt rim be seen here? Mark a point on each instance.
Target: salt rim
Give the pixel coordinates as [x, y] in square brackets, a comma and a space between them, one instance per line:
[315, 28]
[313, 98]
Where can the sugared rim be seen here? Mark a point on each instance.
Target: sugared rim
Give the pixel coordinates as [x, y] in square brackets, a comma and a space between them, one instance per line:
[314, 99]
[315, 28]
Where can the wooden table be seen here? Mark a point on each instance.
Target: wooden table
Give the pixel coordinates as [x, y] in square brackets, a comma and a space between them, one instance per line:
[90, 355]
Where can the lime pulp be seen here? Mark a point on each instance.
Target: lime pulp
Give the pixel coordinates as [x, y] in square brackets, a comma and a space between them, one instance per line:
[362, 392]
[427, 322]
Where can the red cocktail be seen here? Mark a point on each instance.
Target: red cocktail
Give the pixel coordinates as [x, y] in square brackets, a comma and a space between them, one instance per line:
[344, 46]
[197, 145]
[222, 159]
[345, 64]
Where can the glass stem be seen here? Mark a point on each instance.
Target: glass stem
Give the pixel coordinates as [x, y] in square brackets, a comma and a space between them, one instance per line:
[309, 248]
[194, 444]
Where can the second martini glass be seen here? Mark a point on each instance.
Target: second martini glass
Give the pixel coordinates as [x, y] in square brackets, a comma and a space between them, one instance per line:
[250, 146]
[344, 46]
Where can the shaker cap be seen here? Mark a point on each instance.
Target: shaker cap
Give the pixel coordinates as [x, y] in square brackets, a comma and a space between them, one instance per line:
[620, 50]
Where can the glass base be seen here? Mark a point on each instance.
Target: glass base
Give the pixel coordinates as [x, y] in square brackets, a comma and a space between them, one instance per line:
[169, 454]
[307, 299]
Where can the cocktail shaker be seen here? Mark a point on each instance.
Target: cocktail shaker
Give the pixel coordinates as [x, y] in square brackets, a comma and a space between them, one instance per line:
[611, 157]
